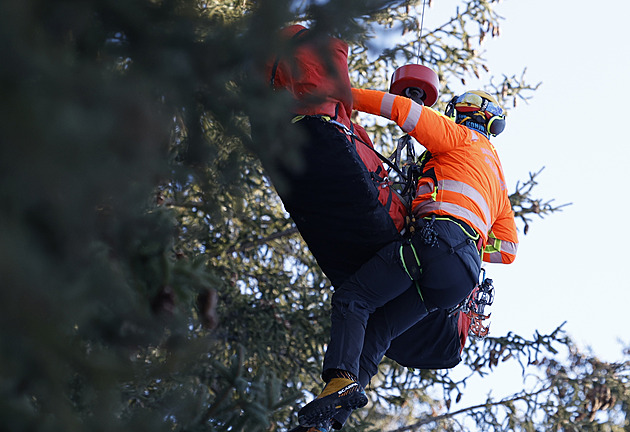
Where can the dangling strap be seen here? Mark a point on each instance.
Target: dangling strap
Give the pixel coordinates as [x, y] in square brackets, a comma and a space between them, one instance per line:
[411, 263]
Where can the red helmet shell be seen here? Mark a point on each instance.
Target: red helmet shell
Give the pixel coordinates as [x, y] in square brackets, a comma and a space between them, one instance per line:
[415, 75]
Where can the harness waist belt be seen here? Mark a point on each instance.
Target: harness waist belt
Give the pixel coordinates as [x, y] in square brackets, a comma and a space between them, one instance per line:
[468, 230]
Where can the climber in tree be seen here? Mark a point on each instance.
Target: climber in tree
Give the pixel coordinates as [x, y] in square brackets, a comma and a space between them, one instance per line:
[463, 214]
[340, 198]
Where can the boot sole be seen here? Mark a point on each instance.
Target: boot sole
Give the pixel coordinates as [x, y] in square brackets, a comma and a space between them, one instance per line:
[321, 410]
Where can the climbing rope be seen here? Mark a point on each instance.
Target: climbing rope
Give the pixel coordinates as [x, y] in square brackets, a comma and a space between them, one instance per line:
[424, 2]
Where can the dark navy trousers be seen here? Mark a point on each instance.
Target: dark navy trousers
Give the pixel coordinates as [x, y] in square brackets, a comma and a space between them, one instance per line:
[380, 301]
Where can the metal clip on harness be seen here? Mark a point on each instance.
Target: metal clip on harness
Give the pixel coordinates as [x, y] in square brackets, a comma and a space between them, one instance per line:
[475, 305]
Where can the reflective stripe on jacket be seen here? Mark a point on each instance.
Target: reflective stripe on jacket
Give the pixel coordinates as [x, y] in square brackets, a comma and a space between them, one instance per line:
[470, 181]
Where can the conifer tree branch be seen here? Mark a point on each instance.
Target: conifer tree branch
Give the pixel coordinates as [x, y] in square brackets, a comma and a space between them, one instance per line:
[431, 419]
[252, 244]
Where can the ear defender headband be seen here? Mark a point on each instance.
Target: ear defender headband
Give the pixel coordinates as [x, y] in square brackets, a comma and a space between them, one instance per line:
[450, 108]
[482, 103]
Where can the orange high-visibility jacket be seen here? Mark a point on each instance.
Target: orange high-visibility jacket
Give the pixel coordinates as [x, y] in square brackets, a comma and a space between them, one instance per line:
[470, 181]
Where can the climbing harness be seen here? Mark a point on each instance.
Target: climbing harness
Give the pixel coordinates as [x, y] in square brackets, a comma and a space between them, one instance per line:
[412, 171]
[474, 306]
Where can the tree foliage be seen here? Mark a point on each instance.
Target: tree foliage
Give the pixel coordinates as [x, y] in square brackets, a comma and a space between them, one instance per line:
[150, 278]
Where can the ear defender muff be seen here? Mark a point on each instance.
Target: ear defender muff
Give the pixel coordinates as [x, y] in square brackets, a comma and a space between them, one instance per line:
[495, 125]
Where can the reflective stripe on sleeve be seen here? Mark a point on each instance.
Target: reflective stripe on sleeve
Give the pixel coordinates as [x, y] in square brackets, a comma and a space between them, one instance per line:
[509, 247]
[387, 105]
[425, 188]
[493, 257]
[496, 249]
[412, 118]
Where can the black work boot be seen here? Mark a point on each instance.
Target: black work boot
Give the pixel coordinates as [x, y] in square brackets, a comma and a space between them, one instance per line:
[341, 392]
